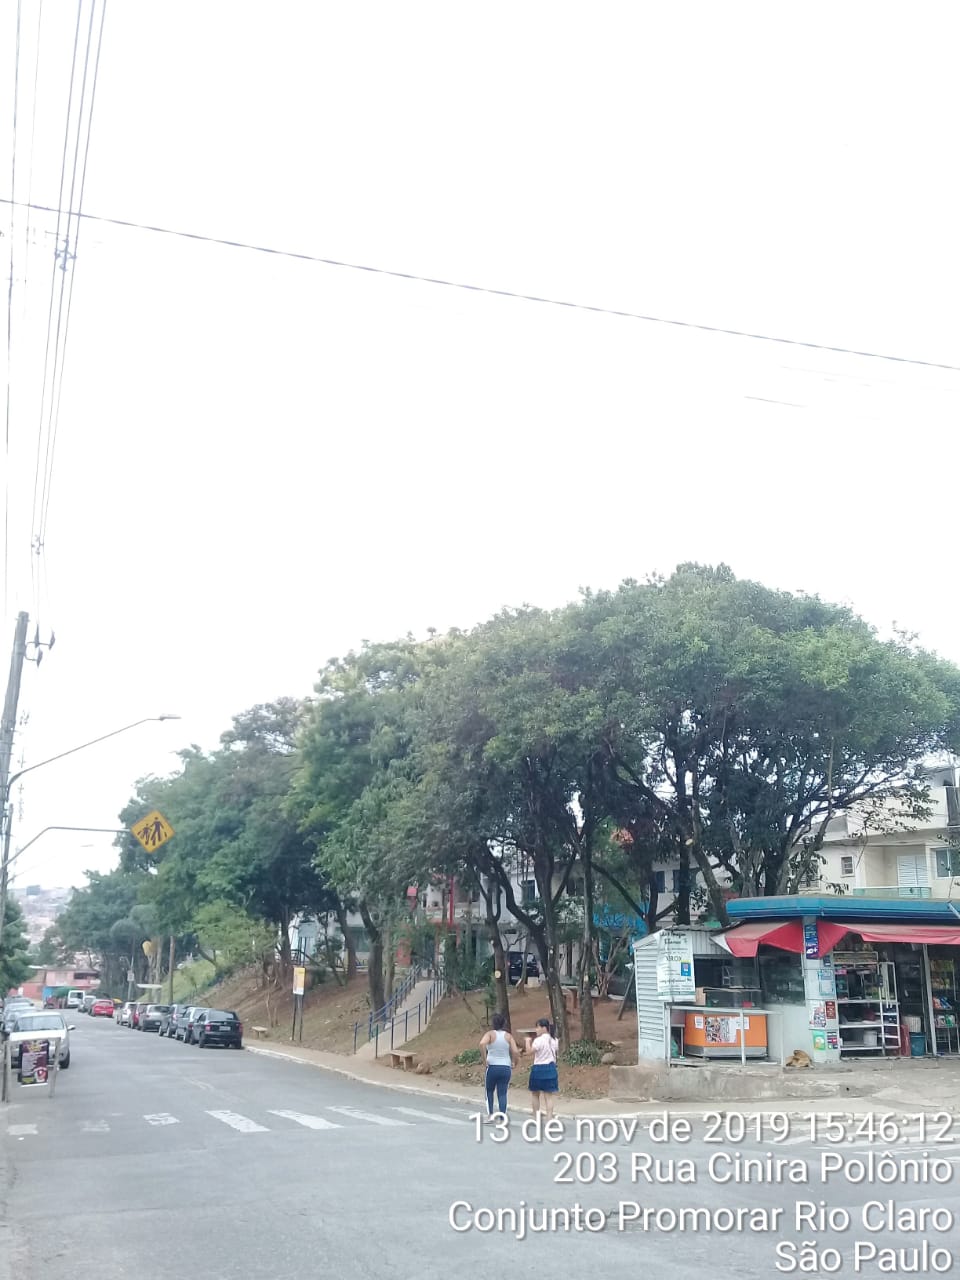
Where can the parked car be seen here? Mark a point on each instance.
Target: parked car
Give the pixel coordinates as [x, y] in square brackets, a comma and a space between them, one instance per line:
[515, 967]
[185, 1026]
[38, 1021]
[135, 1013]
[621, 982]
[124, 1013]
[75, 999]
[218, 1026]
[151, 1016]
[101, 1008]
[86, 1004]
[11, 1012]
[168, 1023]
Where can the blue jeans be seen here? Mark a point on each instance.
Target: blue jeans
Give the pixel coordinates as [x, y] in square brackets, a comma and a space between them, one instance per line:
[498, 1078]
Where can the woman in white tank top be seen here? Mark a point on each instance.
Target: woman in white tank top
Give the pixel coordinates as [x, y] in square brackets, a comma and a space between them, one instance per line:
[501, 1055]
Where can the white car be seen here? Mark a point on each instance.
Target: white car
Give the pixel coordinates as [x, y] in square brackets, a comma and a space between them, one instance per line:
[37, 1022]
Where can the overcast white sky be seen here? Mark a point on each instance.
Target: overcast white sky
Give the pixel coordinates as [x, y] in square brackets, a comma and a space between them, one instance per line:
[261, 462]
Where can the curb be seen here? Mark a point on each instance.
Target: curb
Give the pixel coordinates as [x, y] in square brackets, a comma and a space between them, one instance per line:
[899, 1115]
[469, 1100]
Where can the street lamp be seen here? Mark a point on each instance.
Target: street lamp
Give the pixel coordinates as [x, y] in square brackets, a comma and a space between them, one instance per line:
[114, 831]
[8, 817]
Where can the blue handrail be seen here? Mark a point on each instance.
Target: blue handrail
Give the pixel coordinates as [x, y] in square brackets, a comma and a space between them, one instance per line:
[388, 1013]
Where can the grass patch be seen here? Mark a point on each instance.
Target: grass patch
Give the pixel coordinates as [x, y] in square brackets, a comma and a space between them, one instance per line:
[192, 980]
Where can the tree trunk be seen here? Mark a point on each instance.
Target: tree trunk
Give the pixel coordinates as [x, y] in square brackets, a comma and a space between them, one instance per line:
[588, 1030]
[286, 958]
[348, 943]
[683, 886]
[543, 871]
[500, 960]
[375, 963]
[390, 956]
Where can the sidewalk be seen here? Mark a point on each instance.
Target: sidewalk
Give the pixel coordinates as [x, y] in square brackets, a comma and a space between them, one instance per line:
[903, 1096]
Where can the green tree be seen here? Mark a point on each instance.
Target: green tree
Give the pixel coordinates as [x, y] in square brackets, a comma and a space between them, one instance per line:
[231, 937]
[235, 840]
[14, 949]
[47, 950]
[87, 925]
[743, 719]
[355, 770]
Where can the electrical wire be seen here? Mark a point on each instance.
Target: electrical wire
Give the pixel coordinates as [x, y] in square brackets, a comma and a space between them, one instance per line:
[55, 421]
[503, 293]
[13, 192]
[37, 499]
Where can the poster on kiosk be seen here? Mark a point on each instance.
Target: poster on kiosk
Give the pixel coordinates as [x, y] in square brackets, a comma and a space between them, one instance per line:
[675, 980]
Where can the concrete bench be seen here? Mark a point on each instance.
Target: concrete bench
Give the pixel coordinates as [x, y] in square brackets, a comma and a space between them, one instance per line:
[261, 1031]
[400, 1059]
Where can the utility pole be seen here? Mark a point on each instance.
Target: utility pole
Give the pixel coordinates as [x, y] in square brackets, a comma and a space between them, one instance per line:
[173, 949]
[8, 727]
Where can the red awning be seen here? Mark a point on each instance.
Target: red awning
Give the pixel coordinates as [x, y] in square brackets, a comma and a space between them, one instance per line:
[744, 939]
[934, 935]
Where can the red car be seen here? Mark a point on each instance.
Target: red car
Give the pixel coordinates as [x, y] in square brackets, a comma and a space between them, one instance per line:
[102, 1009]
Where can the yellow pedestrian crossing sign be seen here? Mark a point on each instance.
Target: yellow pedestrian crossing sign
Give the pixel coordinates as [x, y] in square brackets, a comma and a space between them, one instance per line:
[152, 831]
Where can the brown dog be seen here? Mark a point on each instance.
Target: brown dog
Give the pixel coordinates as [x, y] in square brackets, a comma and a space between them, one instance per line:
[799, 1059]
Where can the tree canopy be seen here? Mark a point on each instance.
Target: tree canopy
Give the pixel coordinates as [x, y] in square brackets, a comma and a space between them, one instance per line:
[699, 722]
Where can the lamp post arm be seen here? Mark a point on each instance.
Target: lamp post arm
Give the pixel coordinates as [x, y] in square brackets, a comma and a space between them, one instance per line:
[82, 747]
[116, 831]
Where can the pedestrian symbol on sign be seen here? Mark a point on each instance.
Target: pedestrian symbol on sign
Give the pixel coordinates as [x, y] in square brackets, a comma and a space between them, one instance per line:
[152, 831]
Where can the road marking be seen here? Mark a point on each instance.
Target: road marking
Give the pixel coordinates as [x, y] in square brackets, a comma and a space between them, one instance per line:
[308, 1122]
[238, 1122]
[429, 1115]
[367, 1116]
[161, 1117]
[94, 1126]
[22, 1130]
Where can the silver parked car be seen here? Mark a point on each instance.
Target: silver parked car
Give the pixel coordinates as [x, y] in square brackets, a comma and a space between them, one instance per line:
[151, 1016]
[37, 1021]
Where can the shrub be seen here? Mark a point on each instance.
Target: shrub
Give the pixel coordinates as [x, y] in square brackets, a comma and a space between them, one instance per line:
[585, 1053]
[469, 1057]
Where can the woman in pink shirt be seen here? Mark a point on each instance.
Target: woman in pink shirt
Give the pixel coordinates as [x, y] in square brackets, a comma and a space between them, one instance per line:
[544, 1080]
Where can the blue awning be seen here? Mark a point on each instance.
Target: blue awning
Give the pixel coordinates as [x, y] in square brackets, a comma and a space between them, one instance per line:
[841, 907]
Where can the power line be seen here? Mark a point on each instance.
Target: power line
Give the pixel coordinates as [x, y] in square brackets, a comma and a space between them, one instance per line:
[9, 310]
[500, 293]
[37, 499]
[55, 421]
[13, 192]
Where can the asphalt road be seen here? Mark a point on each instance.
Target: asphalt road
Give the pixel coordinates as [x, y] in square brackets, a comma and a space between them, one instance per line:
[155, 1157]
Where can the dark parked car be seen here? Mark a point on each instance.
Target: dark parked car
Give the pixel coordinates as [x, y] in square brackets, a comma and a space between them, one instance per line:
[151, 1015]
[185, 1025]
[218, 1026]
[515, 968]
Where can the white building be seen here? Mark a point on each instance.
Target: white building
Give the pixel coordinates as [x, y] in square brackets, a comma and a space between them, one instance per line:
[889, 858]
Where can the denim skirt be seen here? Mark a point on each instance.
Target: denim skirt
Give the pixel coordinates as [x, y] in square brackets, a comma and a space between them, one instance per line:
[544, 1079]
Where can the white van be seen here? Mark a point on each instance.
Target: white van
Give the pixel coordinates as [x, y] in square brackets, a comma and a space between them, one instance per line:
[75, 999]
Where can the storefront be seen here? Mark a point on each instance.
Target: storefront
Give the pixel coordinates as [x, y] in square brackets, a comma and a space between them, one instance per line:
[837, 978]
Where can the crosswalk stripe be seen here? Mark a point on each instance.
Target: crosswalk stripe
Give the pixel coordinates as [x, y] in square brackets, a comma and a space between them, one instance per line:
[354, 1114]
[429, 1115]
[94, 1126]
[161, 1117]
[308, 1122]
[22, 1130]
[235, 1121]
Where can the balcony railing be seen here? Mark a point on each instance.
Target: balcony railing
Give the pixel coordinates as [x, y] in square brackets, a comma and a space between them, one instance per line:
[891, 891]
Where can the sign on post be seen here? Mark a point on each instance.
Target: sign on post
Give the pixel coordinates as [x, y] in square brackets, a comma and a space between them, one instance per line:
[299, 980]
[675, 980]
[35, 1062]
[152, 831]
